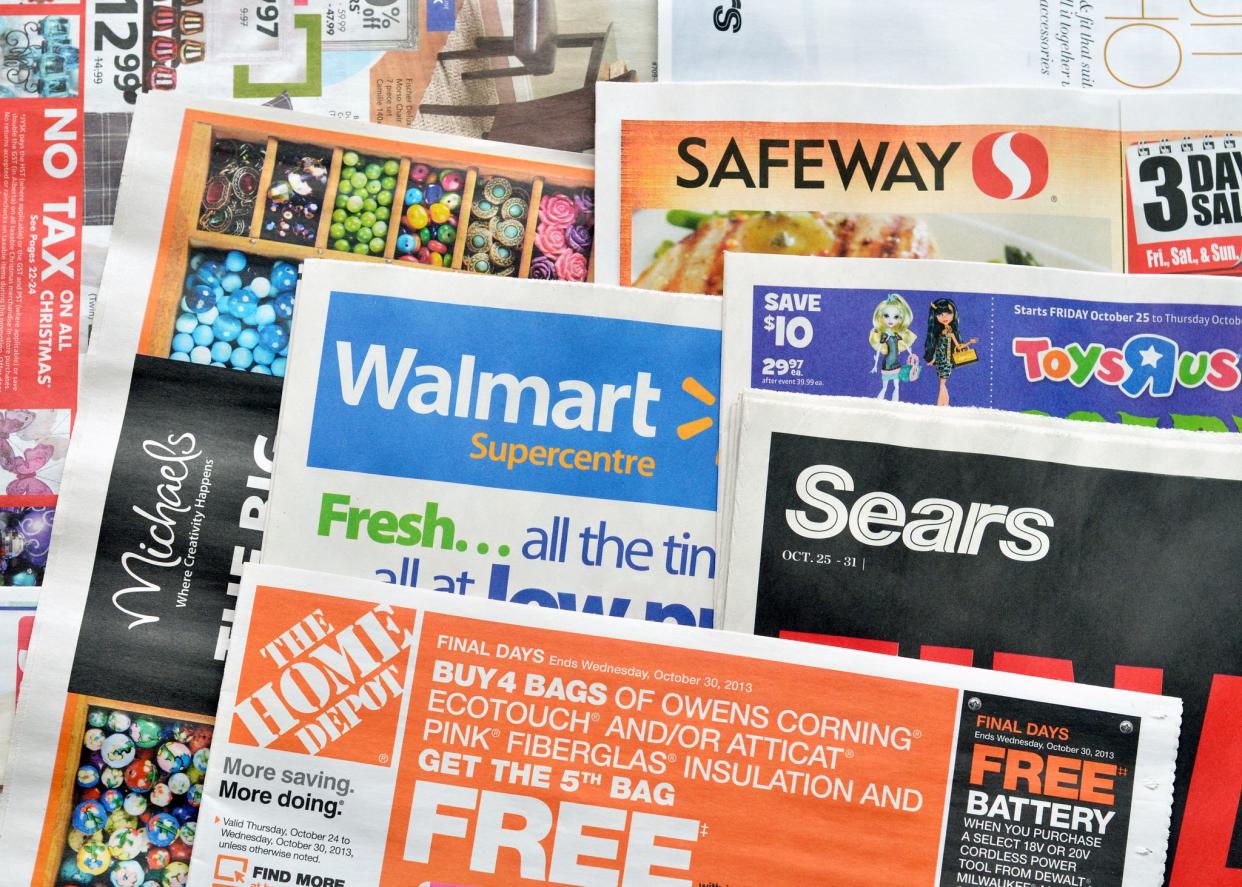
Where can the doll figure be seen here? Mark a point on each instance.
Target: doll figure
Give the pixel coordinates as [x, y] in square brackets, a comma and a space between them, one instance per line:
[943, 336]
[890, 335]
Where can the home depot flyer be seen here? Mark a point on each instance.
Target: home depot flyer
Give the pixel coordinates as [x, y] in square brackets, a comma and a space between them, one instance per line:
[369, 734]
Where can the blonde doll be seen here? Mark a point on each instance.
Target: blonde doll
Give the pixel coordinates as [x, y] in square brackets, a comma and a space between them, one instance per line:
[890, 335]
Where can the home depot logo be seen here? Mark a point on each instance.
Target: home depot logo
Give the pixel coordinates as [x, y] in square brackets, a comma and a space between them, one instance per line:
[1010, 165]
[328, 683]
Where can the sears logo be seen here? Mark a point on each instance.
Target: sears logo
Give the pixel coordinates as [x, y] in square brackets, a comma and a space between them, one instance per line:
[1010, 165]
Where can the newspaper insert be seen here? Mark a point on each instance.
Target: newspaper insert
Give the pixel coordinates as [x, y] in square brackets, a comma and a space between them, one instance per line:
[1162, 45]
[445, 740]
[565, 435]
[689, 171]
[166, 494]
[1075, 550]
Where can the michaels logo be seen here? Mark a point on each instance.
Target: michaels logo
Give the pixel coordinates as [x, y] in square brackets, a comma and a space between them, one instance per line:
[1146, 364]
[1010, 165]
[930, 524]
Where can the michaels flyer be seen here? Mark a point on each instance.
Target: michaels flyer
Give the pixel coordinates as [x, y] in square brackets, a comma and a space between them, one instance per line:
[538, 443]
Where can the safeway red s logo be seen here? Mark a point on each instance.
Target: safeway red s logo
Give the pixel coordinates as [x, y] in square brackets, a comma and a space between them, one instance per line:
[1010, 165]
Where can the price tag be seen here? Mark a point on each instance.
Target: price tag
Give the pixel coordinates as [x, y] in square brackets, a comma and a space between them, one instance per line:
[367, 24]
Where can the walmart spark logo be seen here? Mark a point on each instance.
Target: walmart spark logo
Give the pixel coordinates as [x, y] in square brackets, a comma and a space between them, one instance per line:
[694, 427]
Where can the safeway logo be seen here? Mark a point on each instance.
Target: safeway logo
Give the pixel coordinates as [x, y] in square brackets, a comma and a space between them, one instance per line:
[1010, 165]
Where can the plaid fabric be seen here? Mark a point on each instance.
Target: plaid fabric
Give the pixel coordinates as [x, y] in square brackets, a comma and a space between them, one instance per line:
[106, 137]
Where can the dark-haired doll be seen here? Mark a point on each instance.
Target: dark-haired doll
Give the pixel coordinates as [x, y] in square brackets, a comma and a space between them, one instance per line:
[942, 338]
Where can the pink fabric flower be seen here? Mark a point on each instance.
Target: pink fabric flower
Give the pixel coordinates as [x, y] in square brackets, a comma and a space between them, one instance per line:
[551, 240]
[558, 210]
[571, 266]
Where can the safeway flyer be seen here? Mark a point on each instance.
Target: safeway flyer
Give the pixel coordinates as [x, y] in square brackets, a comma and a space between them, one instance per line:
[690, 171]
[374, 735]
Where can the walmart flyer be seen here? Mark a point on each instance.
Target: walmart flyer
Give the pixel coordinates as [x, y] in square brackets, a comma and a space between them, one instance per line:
[539, 443]
[371, 735]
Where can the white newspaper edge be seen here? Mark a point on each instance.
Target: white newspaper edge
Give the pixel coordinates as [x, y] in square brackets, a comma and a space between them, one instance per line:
[800, 102]
[107, 369]
[1151, 805]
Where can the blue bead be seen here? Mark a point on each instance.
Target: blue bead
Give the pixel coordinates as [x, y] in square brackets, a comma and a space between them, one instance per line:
[248, 338]
[274, 337]
[201, 354]
[217, 290]
[216, 363]
[244, 310]
[226, 328]
[202, 298]
[413, 195]
[284, 277]
[209, 273]
[241, 358]
[262, 287]
[190, 280]
[263, 355]
[278, 366]
[260, 369]
[264, 315]
[434, 193]
[209, 316]
[235, 261]
[406, 244]
[284, 305]
[231, 282]
[183, 342]
[186, 323]
[181, 356]
[196, 260]
[185, 305]
[225, 304]
[220, 351]
[203, 335]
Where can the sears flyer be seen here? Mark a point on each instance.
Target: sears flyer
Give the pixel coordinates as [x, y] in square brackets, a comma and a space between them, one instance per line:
[538, 444]
[438, 740]
[1021, 543]
[690, 171]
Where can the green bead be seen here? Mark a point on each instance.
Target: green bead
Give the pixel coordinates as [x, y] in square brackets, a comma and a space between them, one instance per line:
[446, 234]
[383, 213]
[339, 214]
[373, 187]
[388, 183]
[345, 188]
[374, 171]
[369, 204]
[391, 167]
[384, 198]
[358, 179]
[368, 218]
[355, 204]
[379, 228]
[377, 245]
[363, 234]
[341, 200]
[424, 234]
[352, 224]
[362, 249]
[350, 158]
[341, 246]
[337, 231]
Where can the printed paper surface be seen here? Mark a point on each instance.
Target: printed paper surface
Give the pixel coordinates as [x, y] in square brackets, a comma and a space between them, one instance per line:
[1135, 45]
[169, 489]
[429, 739]
[1023, 543]
[1020, 176]
[565, 449]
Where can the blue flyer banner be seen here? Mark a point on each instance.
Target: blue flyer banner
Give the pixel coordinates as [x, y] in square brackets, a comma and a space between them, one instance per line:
[505, 399]
[986, 341]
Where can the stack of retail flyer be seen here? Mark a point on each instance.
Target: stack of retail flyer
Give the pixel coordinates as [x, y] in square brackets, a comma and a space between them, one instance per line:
[822, 469]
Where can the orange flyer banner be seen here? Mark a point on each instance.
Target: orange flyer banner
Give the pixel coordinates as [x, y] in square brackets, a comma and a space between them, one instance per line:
[371, 735]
